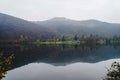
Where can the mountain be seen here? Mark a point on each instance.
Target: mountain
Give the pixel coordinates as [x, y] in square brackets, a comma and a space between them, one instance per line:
[11, 28]
[71, 27]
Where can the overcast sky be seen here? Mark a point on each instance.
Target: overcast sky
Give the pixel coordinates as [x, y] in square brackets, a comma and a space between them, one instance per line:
[105, 10]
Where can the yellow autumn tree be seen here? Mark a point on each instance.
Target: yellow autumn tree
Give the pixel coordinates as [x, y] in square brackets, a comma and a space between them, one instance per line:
[5, 64]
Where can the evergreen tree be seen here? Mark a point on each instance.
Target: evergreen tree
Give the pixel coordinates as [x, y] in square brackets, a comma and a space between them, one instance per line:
[75, 37]
[113, 72]
[63, 38]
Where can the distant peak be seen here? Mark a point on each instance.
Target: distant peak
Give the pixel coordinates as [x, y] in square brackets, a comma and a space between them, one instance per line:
[93, 20]
[59, 18]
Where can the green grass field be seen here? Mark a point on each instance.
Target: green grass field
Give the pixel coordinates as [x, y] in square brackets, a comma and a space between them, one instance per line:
[58, 42]
[75, 42]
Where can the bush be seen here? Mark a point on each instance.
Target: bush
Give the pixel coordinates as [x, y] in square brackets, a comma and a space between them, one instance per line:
[113, 72]
[5, 64]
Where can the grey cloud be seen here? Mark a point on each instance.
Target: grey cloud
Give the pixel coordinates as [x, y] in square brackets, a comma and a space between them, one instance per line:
[105, 10]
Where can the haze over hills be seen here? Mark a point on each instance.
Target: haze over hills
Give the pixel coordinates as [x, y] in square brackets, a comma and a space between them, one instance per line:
[66, 26]
[12, 27]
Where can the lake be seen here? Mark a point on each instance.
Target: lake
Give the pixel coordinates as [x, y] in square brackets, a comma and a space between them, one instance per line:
[60, 62]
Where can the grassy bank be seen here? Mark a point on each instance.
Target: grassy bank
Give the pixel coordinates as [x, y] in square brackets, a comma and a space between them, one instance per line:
[58, 42]
[69, 42]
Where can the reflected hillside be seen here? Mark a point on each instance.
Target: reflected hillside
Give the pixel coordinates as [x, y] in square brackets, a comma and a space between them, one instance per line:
[60, 55]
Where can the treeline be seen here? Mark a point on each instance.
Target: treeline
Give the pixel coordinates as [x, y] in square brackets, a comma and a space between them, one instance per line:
[82, 38]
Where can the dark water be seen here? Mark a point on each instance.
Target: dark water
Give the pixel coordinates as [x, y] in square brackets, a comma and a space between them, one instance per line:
[60, 62]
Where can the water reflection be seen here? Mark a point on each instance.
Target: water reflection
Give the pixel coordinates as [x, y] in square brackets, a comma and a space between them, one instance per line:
[76, 71]
[60, 55]
[60, 62]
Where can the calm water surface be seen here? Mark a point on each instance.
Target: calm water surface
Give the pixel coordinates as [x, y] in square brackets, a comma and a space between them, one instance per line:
[60, 62]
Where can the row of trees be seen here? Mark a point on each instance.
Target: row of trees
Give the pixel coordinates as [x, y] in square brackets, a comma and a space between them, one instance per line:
[69, 37]
[91, 37]
[88, 37]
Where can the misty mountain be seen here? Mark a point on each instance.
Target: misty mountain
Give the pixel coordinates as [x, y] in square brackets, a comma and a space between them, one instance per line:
[66, 26]
[12, 27]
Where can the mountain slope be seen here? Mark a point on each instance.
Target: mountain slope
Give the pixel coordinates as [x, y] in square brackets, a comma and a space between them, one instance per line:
[12, 27]
[67, 27]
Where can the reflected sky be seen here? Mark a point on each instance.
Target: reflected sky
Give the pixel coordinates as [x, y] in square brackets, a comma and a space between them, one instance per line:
[60, 62]
[75, 71]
